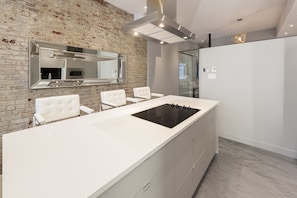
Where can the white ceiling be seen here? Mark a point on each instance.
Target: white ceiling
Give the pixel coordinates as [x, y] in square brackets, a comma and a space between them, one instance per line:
[219, 17]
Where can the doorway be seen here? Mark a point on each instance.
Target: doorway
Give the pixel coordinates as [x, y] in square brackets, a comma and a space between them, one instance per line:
[189, 73]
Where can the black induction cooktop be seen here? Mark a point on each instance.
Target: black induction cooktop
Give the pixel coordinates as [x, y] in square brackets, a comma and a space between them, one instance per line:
[168, 115]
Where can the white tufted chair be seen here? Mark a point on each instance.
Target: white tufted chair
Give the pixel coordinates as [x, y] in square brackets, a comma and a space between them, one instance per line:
[145, 93]
[114, 98]
[55, 108]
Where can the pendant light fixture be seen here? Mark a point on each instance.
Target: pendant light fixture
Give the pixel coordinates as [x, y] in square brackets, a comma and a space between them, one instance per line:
[241, 37]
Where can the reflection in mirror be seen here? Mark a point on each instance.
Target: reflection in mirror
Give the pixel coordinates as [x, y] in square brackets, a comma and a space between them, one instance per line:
[54, 65]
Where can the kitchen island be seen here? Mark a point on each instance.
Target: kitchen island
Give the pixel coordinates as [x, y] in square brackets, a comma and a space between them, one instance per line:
[110, 154]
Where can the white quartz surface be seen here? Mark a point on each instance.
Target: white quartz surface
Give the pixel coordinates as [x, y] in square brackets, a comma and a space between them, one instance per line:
[83, 156]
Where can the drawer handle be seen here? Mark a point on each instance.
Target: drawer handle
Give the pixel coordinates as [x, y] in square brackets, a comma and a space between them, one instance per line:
[147, 186]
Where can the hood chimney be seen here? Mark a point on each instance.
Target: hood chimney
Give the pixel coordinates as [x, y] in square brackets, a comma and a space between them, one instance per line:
[160, 23]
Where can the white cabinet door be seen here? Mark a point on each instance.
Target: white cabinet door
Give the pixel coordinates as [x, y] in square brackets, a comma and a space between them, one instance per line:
[183, 164]
[134, 182]
[200, 136]
[204, 148]
[194, 149]
[182, 158]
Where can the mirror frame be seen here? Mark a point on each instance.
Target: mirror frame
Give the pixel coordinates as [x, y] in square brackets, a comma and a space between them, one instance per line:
[66, 52]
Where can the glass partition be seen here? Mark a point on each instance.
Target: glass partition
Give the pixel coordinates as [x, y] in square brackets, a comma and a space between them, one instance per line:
[55, 65]
[188, 73]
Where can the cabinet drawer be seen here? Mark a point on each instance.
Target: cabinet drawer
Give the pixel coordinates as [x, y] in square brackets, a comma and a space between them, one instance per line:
[202, 163]
[186, 187]
[203, 132]
[133, 183]
[194, 149]
[190, 145]
[161, 186]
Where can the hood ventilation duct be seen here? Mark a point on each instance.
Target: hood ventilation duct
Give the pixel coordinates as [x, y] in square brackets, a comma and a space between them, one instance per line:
[159, 23]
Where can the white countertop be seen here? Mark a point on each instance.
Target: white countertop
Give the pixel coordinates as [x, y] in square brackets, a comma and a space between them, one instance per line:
[83, 156]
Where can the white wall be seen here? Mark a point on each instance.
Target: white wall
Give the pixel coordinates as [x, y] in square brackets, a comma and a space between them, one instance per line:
[163, 66]
[256, 85]
[290, 92]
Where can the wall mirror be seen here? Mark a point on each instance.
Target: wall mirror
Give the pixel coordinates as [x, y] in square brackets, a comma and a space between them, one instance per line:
[55, 65]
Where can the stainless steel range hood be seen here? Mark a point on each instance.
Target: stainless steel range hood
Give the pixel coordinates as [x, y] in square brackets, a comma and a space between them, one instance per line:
[159, 24]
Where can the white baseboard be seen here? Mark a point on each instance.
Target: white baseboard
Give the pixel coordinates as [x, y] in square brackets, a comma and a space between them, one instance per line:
[261, 145]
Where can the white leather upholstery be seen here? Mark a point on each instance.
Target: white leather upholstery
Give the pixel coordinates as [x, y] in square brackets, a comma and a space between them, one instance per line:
[114, 98]
[86, 109]
[145, 92]
[55, 108]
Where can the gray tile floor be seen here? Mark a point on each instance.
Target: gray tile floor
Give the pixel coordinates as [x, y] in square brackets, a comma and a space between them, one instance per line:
[241, 171]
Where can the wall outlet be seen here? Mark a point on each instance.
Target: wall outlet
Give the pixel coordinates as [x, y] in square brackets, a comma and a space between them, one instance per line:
[213, 69]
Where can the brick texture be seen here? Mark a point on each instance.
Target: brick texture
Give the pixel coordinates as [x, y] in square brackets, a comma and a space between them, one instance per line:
[91, 24]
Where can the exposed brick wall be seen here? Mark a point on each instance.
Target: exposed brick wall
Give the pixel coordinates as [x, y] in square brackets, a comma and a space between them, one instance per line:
[91, 24]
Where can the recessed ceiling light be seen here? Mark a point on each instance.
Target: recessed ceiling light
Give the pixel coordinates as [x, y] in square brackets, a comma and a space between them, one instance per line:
[145, 7]
[291, 25]
[185, 37]
[161, 25]
[136, 34]
[161, 42]
[286, 33]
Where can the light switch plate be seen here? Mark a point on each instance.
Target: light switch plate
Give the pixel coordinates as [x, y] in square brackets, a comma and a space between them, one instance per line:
[212, 76]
